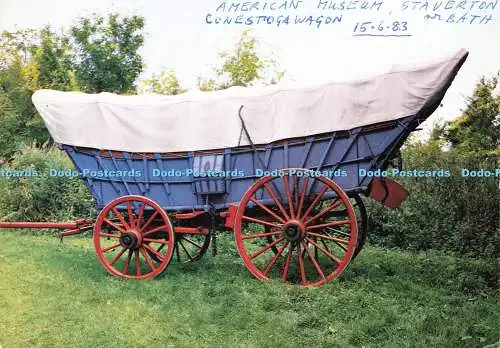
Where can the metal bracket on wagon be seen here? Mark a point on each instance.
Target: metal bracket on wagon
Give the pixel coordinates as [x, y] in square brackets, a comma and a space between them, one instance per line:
[80, 226]
[388, 192]
[229, 215]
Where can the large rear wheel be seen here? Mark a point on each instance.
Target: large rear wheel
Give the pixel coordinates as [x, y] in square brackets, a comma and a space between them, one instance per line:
[292, 214]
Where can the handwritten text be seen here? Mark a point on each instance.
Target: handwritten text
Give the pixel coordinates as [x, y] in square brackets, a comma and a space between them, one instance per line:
[367, 17]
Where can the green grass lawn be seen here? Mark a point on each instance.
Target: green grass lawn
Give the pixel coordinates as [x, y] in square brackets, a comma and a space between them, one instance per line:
[58, 295]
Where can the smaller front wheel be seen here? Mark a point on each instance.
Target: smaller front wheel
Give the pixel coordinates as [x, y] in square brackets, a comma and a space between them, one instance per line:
[127, 232]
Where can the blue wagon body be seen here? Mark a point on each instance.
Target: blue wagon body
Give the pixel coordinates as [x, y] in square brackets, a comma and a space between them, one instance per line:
[174, 180]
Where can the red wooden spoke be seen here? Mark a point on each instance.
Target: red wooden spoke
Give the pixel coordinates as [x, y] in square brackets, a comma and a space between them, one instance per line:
[302, 196]
[267, 210]
[109, 235]
[262, 222]
[117, 256]
[137, 263]
[340, 240]
[267, 247]
[114, 246]
[276, 200]
[316, 200]
[159, 241]
[147, 258]
[260, 235]
[340, 245]
[338, 231]
[186, 251]
[115, 226]
[287, 263]
[334, 258]
[296, 194]
[150, 220]
[314, 261]
[275, 258]
[159, 228]
[127, 262]
[289, 196]
[155, 252]
[301, 265]
[120, 217]
[130, 215]
[328, 224]
[141, 213]
[324, 211]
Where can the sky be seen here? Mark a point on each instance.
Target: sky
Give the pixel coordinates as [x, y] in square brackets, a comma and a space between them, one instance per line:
[179, 35]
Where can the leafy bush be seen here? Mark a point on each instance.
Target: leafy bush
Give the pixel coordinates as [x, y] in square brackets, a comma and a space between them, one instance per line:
[42, 198]
[19, 122]
[459, 214]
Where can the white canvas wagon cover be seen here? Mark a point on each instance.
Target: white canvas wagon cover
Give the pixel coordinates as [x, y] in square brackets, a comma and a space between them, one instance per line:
[209, 120]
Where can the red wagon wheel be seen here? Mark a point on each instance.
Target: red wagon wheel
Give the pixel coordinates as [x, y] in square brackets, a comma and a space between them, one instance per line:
[127, 231]
[292, 214]
[187, 248]
[190, 248]
[362, 224]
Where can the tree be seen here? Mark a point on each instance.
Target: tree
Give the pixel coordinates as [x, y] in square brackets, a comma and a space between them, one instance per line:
[106, 55]
[243, 67]
[9, 126]
[163, 83]
[41, 56]
[207, 85]
[97, 54]
[437, 131]
[478, 128]
[30, 60]
[17, 44]
[52, 58]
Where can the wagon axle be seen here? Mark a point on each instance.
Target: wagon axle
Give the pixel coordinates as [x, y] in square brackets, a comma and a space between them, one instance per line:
[294, 231]
[130, 240]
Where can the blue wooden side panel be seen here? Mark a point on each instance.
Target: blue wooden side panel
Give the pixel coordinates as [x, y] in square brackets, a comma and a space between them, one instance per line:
[179, 190]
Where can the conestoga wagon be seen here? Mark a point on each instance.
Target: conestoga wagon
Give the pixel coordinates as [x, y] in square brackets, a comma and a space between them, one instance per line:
[279, 166]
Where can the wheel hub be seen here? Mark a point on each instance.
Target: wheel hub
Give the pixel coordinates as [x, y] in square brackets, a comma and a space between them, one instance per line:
[130, 240]
[294, 231]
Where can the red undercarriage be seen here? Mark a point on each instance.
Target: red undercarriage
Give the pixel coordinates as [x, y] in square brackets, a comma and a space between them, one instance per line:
[386, 191]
